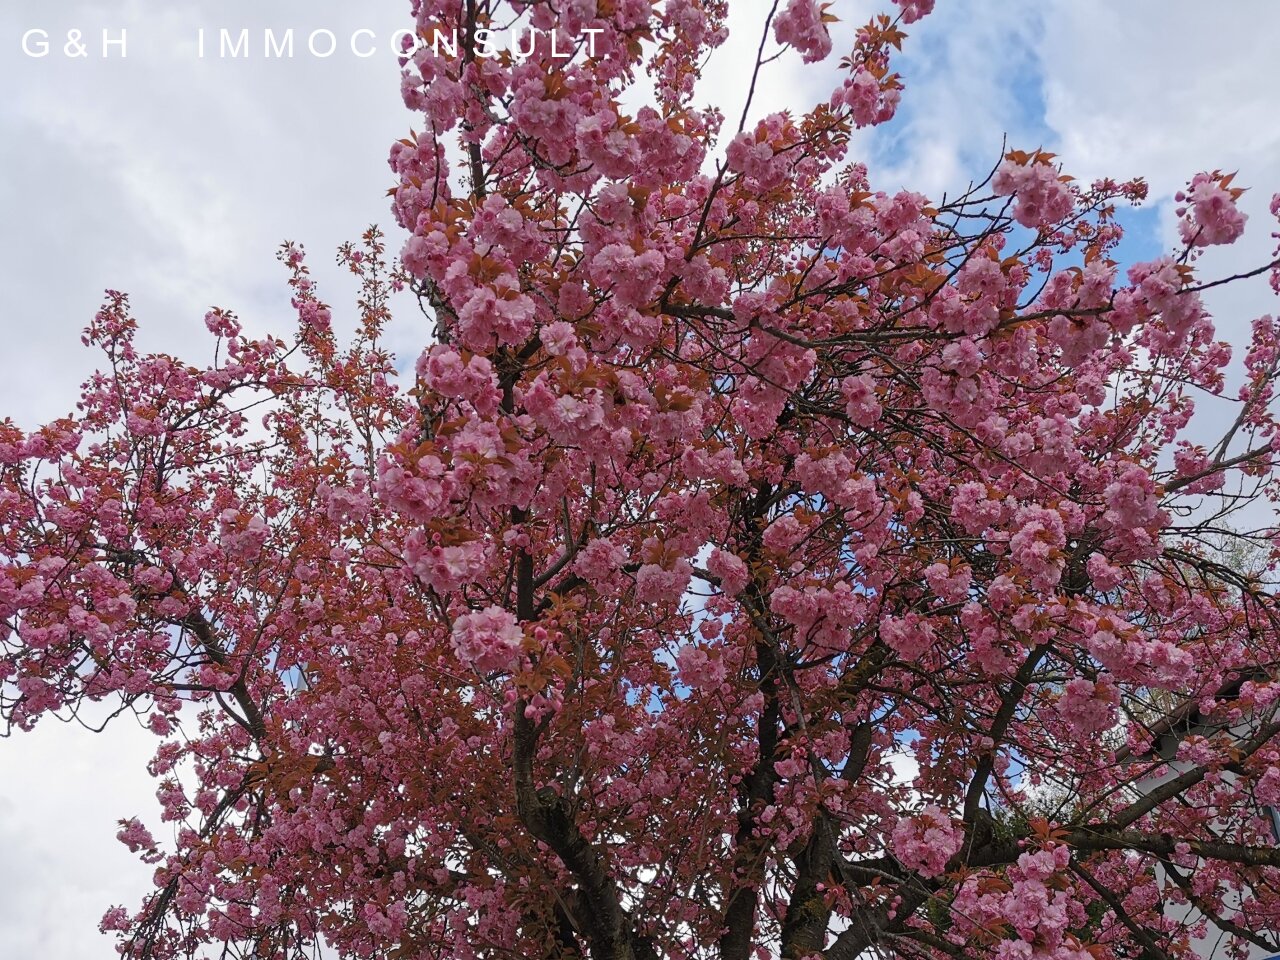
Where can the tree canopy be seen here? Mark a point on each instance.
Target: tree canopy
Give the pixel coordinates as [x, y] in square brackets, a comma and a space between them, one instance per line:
[753, 563]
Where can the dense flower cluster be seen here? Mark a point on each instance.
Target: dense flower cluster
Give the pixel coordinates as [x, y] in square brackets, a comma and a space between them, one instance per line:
[1210, 216]
[926, 842]
[801, 26]
[1043, 196]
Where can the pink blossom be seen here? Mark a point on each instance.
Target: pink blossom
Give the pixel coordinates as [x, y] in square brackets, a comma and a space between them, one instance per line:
[913, 10]
[910, 636]
[657, 584]
[418, 492]
[950, 586]
[800, 25]
[861, 403]
[445, 568]
[1105, 576]
[1210, 215]
[1037, 544]
[244, 538]
[733, 573]
[926, 841]
[488, 640]
[222, 323]
[443, 369]
[699, 668]
[1130, 498]
[1267, 789]
[1043, 199]
[783, 533]
[599, 560]
[1088, 708]
[868, 101]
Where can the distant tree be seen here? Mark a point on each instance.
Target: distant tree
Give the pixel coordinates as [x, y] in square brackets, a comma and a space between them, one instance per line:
[724, 482]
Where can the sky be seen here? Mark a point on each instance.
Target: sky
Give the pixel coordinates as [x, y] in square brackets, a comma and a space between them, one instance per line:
[175, 179]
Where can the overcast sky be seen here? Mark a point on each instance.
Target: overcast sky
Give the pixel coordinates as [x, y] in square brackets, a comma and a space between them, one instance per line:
[175, 179]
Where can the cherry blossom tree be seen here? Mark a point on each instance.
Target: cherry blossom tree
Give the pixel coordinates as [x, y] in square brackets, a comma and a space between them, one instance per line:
[753, 563]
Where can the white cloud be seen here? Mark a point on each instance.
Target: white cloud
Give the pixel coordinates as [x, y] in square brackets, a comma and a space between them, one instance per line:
[970, 70]
[1119, 90]
[784, 82]
[175, 179]
[61, 792]
[1149, 88]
